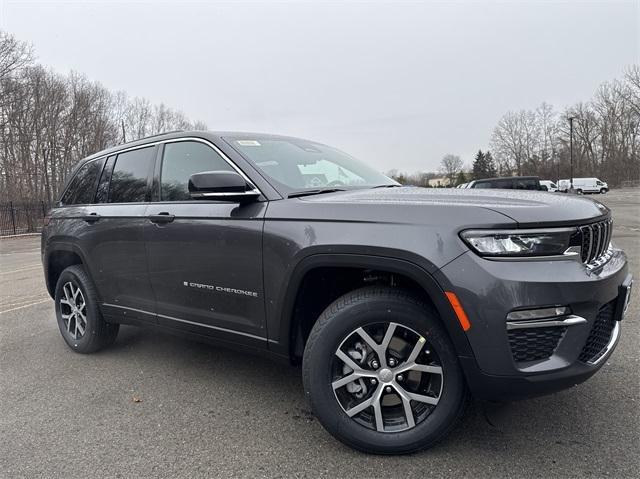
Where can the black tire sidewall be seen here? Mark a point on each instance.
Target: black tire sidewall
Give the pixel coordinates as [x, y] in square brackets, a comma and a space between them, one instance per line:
[317, 377]
[87, 343]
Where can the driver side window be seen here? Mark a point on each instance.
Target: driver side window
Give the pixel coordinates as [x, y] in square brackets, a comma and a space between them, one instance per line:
[181, 160]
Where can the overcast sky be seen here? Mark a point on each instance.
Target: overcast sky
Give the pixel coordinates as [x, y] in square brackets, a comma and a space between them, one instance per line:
[396, 84]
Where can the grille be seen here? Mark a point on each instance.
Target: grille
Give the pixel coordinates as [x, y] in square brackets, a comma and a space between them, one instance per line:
[600, 334]
[595, 240]
[532, 344]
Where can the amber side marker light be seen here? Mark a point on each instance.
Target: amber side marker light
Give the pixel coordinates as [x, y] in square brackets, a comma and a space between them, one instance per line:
[457, 307]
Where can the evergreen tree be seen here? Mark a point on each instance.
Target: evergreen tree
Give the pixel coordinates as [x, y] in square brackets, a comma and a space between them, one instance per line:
[461, 178]
[479, 166]
[490, 165]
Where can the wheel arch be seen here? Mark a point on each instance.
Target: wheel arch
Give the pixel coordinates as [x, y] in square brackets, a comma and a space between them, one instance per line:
[428, 285]
[60, 255]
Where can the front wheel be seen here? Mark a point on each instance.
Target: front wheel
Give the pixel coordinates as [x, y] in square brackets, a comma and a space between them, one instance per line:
[381, 373]
[603, 191]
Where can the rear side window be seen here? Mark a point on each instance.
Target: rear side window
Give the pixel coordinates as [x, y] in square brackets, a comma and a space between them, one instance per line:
[82, 188]
[181, 160]
[528, 184]
[505, 184]
[129, 177]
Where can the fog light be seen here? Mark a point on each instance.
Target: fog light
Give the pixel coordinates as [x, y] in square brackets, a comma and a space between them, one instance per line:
[541, 313]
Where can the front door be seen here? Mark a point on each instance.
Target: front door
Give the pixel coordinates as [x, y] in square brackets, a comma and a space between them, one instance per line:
[204, 257]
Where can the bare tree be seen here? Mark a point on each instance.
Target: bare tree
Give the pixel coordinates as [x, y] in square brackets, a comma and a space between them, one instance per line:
[450, 166]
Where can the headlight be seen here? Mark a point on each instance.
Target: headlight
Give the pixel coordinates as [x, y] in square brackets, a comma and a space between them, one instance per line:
[548, 242]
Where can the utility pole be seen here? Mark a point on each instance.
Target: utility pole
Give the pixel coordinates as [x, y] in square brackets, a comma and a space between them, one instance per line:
[571, 118]
[124, 135]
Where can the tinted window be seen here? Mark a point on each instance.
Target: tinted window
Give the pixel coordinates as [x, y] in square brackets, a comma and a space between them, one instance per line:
[505, 184]
[102, 195]
[527, 184]
[129, 177]
[183, 159]
[82, 188]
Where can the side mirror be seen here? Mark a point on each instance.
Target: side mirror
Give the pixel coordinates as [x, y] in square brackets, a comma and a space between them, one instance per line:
[221, 186]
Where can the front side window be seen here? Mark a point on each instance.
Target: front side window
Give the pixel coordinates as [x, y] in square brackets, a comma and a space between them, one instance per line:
[504, 184]
[527, 184]
[82, 188]
[295, 164]
[129, 177]
[183, 159]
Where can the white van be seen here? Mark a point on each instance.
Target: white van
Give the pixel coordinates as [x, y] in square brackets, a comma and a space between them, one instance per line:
[548, 185]
[584, 185]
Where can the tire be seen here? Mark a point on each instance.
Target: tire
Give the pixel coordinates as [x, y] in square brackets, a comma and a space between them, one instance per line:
[86, 335]
[374, 307]
[579, 191]
[603, 191]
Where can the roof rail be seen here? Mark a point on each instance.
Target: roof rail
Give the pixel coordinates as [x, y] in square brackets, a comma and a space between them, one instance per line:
[152, 136]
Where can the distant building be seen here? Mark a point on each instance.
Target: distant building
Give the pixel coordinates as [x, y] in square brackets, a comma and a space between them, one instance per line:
[439, 182]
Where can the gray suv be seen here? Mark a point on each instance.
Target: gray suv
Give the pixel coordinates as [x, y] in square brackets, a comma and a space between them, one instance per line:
[398, 302]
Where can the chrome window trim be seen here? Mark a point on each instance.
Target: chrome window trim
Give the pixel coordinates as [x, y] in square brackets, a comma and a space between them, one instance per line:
[571, 320]
[255, 189]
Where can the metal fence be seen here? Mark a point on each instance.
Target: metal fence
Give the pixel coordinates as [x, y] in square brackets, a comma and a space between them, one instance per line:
[21, 218]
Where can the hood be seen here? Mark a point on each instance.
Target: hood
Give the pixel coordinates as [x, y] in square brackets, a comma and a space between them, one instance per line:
[527, 208]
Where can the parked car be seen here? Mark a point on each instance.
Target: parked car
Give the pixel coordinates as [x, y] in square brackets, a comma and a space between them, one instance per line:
[548, 185]
[584, 185]
[508, 183]
[462, 185]
[397, 301]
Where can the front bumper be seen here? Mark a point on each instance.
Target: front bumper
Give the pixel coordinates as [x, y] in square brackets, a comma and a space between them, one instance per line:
[489, 290]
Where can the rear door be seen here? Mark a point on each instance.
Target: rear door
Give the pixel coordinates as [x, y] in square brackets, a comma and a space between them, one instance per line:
[205, 257]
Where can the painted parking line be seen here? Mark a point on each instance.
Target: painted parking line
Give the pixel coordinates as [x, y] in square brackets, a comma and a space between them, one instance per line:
[25, 306]
[35, 266]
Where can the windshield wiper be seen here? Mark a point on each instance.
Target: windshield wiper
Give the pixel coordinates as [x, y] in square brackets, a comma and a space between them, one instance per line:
[318, 191]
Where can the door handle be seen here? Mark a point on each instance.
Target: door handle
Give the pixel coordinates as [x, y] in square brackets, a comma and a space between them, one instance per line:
[91, 217]
[163, 217]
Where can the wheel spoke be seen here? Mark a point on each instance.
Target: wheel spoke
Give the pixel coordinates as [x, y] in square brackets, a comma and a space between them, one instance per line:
[79, 326]
[370, 341]
[423, 368]
[345, 380]
[67, 293]
[416, 350]
[406, 403]
[71, 316]
[377, 409]
[422, 398]
[388, 336]
[360, 407]
[65, 301]
[348, 361]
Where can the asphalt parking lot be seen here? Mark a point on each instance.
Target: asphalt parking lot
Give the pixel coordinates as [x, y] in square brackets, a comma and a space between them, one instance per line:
[155, 405]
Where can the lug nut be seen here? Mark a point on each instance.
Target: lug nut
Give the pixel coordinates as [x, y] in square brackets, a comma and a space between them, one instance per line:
[426, 351]
[375, 365]
[400, 378]
[373, 381]
[388, 389]
[392, 362]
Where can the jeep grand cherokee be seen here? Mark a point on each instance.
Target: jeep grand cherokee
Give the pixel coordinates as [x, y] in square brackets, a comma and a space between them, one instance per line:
[398, 301]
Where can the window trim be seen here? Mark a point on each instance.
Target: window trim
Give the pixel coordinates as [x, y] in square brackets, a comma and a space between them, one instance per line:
[160, 162]
[159, 144]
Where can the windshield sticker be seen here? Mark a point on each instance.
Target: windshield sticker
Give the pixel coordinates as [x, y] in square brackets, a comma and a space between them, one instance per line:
[248, 143]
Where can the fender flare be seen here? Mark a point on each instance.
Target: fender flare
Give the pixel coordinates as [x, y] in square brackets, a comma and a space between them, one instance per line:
[422, 277]
[55, 246]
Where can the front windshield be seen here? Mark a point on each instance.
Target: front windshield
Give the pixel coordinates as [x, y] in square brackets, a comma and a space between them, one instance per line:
[296, 165]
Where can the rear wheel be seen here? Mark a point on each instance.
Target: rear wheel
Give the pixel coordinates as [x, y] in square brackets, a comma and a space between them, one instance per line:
[579, 191]
[79, 319]
[381, 373]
